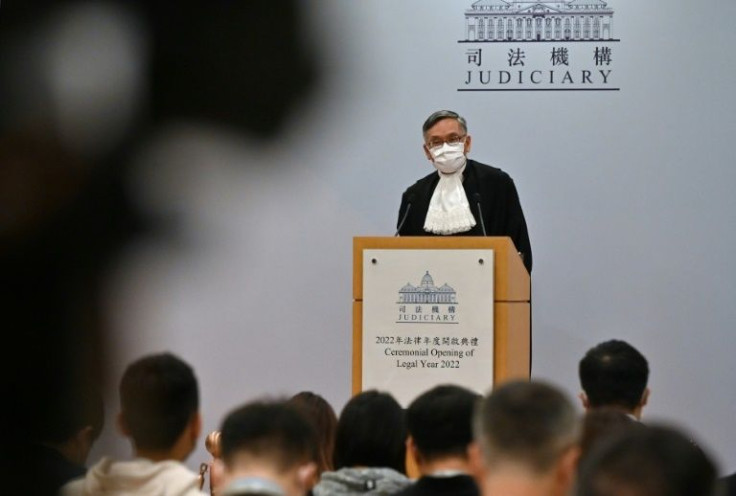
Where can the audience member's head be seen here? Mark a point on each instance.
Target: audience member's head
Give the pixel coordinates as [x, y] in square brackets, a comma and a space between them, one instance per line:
[159, 401]
[371, 432]
[324, 422]
[727, 485]
[60, 443]
[614, 374]
[77, 423]
[650, 461]
[602, 423]
[528, 434]
[440, 424]
[267, 447]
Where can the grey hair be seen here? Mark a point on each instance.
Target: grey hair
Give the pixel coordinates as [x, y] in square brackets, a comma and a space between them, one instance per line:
[444, 114]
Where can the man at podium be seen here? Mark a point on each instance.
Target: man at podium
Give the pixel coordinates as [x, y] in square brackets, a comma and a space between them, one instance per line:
[463, 197]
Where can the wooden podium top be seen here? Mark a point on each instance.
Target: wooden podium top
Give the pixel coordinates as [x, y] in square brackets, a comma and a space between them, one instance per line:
[511, 279]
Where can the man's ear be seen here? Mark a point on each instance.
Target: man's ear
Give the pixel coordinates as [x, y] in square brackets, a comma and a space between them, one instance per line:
[426, 152]
[196, 424]
[468, 143]
[644, 398]
[475, 461]
[411, 446]
[567, 468]
[307, 474]
[86, 435]
[122, 425]
[412, 454]
[584, 400]
[81, 444]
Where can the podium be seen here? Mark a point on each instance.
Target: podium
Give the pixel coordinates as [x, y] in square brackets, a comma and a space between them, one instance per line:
[496, 278]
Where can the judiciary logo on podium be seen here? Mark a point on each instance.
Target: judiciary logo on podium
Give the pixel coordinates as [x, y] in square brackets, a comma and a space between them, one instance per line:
[427, 303]
[437, 328]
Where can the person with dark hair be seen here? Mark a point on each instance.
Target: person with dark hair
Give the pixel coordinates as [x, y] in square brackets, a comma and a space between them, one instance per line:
[370, 449]
[528, 434]
[728, 485]
[614, 374]
[61, 443]
[70, 200]
[324, 421]
[600, 424]
[440, 424]
[651, 461]
[268, 448]
[463, 197]
[159, 402]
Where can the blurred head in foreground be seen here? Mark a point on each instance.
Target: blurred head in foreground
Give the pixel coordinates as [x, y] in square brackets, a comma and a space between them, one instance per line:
[371, 432]
[267, 447]
[528, 434]
[324, 421]
[440, 423]
[652, 461]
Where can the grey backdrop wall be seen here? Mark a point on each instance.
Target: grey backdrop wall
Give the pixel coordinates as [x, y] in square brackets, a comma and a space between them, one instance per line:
[628, 197]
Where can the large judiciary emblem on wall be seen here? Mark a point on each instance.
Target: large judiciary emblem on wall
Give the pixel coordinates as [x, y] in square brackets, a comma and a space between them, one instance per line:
[518, 45]
[427, 303]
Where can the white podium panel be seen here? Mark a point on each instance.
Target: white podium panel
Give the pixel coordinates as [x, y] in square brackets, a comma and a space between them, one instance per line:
[427, 320]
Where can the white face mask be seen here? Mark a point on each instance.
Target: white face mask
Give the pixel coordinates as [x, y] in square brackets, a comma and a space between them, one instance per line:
[448, 158]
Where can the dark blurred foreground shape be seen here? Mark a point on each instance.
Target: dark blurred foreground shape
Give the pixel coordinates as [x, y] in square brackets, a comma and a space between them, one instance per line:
[657, 460]
[83, 87]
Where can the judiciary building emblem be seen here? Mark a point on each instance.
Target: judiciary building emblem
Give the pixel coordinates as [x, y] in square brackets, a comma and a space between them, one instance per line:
[521, 45]
[427, 303]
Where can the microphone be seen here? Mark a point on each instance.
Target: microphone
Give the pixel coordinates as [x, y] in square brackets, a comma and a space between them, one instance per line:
[406, 214]
[476, 197]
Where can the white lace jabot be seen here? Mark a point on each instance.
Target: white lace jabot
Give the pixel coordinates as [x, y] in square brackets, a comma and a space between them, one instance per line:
[449, 210]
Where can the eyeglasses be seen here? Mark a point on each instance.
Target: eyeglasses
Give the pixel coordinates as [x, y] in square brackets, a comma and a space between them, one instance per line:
[452, 140]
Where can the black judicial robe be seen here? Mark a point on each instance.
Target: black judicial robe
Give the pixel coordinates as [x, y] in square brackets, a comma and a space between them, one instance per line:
[489, 187]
